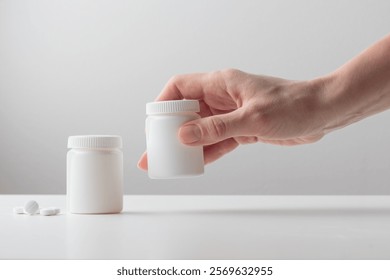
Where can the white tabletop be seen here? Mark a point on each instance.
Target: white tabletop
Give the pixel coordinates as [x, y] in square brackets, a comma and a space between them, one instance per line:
[203, 227]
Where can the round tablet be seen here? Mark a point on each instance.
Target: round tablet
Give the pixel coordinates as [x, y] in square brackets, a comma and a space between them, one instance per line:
[49, 211]
[19, 210]
[31, 207]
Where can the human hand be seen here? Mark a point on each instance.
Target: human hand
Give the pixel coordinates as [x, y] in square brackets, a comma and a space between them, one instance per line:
[240, 108]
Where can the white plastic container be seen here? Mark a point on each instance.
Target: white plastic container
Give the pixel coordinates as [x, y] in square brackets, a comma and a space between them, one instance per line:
[167, 156]
[94, 174]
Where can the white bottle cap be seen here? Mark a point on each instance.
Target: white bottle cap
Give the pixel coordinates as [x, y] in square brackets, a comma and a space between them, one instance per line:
[172, 106]
[95, 141]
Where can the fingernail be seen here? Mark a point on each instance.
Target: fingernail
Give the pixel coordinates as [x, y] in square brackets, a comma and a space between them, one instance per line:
[190, 134]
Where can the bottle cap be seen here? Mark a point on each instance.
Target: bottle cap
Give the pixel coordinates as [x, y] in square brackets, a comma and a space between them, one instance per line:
[95, 141]
[172, 106]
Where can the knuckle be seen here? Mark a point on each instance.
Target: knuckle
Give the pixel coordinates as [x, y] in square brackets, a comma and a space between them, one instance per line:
[232, 79]
[174, 80]
[230, 73]
[172, 89]
[217, 128]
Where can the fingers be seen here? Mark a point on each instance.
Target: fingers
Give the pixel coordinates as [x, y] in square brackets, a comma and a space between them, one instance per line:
[293, 141]
[216, 151]
[143, 162]
[246, 139]
[190, 86]
[211, 153]
[213, 129]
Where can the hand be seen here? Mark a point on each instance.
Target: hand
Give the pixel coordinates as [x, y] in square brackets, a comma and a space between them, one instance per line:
[240, 108]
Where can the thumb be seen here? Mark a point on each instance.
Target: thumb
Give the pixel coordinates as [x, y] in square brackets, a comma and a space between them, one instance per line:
[213, 129]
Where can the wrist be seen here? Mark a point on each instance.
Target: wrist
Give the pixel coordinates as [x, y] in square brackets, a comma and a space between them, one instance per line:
[332, 109]
[316, 111]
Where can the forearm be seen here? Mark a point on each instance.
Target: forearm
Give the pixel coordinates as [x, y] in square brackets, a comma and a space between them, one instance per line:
[359, 88]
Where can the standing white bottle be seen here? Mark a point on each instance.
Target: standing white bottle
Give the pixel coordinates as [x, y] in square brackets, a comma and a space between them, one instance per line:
[94, 174]
[167, 156]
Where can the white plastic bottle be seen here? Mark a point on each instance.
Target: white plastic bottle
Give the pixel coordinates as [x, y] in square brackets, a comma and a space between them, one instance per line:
[94, 174]
[167, 156]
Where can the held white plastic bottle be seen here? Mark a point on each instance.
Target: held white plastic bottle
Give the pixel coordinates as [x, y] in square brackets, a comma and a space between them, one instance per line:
[167, 156]
[94, 174]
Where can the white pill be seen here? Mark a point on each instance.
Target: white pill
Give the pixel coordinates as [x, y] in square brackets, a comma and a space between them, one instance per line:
[19, 210]
[31, 207]
[50, 211]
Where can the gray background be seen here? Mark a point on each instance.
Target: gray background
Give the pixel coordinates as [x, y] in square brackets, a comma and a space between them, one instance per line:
[89, 67]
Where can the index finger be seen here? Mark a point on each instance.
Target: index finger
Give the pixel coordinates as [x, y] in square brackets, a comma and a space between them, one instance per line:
[188, 86]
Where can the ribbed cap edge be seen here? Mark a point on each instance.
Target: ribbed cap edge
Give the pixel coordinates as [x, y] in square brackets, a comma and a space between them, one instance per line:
[172, 106]
[95, 141]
